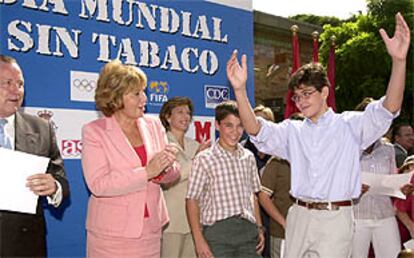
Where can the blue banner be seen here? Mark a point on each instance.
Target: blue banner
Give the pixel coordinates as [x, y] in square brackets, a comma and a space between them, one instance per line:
[182, 46]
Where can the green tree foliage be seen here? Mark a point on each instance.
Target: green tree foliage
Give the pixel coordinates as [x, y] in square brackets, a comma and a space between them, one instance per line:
[317, 20]
[363, 65]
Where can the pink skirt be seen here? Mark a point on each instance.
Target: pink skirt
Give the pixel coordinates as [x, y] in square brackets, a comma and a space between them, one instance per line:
[102, 246]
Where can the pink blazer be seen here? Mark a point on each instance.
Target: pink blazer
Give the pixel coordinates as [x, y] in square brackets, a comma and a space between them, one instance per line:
[118, 181]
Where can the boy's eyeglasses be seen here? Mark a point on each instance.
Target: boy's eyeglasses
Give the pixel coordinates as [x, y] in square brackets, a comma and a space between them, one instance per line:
[305, 95]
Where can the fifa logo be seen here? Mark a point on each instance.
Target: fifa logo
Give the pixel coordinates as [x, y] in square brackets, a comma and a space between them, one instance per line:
[157, 92]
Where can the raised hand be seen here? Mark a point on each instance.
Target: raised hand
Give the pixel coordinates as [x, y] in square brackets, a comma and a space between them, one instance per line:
[398, 45]
[237, 74]
[204, 145]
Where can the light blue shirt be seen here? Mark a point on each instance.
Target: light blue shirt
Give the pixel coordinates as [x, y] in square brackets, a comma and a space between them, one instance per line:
[325, 156]
[9, 131]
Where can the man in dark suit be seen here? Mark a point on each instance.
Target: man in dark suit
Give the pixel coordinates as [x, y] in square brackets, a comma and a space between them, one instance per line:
[23, 234]
[403, 140]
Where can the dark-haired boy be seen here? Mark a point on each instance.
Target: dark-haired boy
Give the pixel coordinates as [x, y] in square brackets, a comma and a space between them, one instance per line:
[222, 208]
[323, 150]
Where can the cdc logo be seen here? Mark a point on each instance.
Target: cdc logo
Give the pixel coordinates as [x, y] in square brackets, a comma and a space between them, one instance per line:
[214, 95]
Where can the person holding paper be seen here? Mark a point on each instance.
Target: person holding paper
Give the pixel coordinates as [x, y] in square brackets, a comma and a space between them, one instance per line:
[375, 220]
[324, 149]
[405, 208]
[125, 158]
[24, 234]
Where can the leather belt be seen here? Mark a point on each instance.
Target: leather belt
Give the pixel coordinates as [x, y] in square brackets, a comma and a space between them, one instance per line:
[329, 206]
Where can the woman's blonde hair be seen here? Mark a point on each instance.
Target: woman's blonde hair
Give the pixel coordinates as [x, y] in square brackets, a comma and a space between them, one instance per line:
[115, 80]
[408, 162]
[266, 111]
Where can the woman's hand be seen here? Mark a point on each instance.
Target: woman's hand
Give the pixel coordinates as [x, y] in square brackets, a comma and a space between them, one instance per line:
[204, 145]
[162, 161]
[407, 189]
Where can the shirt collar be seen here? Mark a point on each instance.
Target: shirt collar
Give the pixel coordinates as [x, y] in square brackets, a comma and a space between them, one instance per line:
[324, 119]
[217, 149]
[401, 147]
[10, 119]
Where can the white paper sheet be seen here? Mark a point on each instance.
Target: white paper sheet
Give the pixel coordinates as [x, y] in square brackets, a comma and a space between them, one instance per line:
[409, 244]
[15, 168]
[386, 184]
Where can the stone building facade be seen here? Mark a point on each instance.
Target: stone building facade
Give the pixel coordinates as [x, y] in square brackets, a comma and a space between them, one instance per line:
[273, 57]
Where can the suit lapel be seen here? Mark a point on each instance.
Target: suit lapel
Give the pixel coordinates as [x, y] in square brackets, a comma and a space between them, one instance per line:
[119, 140]
[147, 138]
[25, 137]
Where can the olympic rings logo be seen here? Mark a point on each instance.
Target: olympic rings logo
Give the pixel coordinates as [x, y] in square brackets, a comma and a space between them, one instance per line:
[84, 84]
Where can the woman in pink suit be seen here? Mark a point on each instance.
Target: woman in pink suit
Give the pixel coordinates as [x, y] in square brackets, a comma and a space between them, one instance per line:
[125, 158]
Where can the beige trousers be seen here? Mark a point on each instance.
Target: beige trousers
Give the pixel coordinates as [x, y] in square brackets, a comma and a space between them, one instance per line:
[175, 245]
[319, 233]
[275, 247]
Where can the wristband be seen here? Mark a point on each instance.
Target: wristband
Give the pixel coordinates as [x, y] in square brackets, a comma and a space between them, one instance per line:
[261, 228]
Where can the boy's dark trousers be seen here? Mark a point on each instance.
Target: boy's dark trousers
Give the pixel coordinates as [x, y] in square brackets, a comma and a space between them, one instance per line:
[232, 237]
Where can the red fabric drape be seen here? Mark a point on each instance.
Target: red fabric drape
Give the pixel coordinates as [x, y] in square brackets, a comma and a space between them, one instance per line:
[315, 50]
[331, 77]
[290, 107]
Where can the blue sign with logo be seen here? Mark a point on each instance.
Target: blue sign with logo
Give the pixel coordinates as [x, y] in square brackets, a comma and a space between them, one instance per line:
[61, 46]
[214, 95]
[157, 93]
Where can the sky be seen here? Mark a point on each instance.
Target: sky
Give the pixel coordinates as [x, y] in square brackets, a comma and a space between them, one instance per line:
[339, 8]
